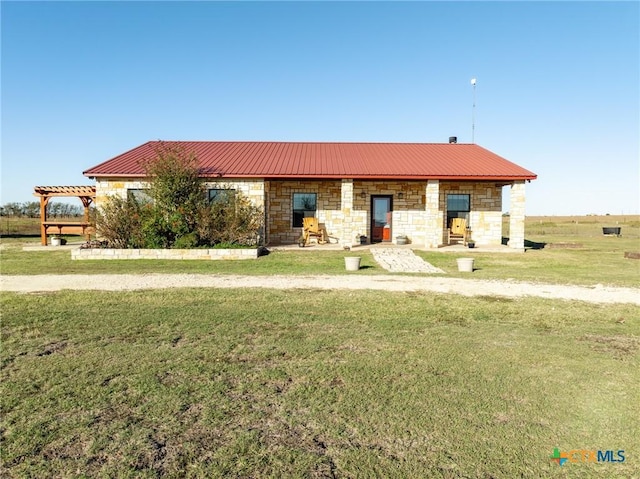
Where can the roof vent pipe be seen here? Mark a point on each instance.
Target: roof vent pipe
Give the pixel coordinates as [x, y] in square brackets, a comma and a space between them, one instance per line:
[453, 139]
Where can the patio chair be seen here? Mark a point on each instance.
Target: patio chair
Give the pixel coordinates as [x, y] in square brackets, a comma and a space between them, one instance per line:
[311, 229]
[458, 231]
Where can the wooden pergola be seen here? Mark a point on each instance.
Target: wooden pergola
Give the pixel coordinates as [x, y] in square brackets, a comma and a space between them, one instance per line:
[87, 195]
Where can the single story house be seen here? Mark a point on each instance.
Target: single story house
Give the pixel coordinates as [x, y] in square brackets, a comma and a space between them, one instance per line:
[378, 190]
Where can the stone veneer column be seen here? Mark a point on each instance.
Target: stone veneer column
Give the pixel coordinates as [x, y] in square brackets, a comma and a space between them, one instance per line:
[433, 214]
[346, 206]
[516, 215]
[265, 216]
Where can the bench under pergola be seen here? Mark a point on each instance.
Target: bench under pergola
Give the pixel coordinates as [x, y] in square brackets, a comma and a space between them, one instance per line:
[87, 195]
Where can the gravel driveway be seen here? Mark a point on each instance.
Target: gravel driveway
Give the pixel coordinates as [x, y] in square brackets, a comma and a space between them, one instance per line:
[466, 287]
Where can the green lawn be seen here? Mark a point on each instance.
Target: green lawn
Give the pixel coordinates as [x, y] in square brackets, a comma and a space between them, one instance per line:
[265, 383]
[16, 261]
[596, 260]
[599, 260]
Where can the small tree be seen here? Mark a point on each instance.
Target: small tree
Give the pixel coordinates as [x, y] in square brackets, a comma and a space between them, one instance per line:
[178, 197]
[14, 209]
[32, 209]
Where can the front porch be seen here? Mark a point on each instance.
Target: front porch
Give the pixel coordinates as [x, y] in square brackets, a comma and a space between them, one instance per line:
[455, 249]
[381, 211]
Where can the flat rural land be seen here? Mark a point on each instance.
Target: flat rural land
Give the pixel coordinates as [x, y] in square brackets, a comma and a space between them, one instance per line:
[290, 366]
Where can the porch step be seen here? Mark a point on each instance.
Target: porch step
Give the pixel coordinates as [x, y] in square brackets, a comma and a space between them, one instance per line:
[402, 260]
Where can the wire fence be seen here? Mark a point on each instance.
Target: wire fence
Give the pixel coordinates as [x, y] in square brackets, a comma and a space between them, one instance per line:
[23, 226]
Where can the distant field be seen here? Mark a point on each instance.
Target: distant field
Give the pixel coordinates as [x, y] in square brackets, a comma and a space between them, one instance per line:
[13, 226]
[592, 223]
[576, 226]
[10, 226]
[609, 219]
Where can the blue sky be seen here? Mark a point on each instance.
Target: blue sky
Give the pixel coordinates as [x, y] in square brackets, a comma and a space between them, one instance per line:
[557, 84]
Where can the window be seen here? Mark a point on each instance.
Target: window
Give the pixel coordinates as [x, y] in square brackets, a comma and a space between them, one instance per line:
[304, 206]
[140, 196]
[458, 206]
[221, 194]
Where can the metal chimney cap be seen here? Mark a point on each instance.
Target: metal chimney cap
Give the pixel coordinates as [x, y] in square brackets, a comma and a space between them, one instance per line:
[453, 139]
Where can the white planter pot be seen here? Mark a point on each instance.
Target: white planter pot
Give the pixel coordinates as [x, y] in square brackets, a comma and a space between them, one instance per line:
[465, 265]
[56, 241]
[352, 263]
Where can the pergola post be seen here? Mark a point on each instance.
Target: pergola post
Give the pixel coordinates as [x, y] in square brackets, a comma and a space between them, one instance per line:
[44, 201]
[86, 202]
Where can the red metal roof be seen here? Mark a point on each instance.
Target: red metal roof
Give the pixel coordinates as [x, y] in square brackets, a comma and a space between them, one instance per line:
[307, 160]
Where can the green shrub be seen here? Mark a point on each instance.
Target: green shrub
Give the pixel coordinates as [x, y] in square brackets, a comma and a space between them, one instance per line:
[187, 241]
[231, 220]
[119, 223]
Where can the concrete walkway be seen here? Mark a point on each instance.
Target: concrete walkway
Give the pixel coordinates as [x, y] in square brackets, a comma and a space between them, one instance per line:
[402, 260]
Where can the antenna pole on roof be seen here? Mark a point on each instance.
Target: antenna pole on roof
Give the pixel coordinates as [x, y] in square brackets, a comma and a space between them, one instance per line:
[473, 112]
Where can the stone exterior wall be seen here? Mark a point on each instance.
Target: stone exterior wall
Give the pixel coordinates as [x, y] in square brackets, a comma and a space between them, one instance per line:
[421, 212]
[280, 229]
[485, 218]
[434, 213]
[517, 215]
[343, 207]
[350, 221]
[182, 254]
[254, 189]
[408, 216]
[106, 187]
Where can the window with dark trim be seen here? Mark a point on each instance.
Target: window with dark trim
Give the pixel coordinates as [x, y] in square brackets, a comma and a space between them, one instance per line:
[221, 194]
[304, 206]
[139, 195]
[458, 206]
